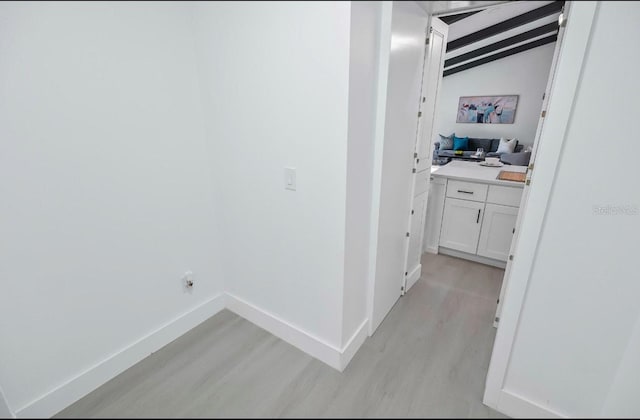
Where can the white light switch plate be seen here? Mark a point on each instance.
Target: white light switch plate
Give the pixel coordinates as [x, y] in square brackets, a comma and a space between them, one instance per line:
[290, 179]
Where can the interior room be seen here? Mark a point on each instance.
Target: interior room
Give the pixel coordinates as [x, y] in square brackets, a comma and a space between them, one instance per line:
[379, 209]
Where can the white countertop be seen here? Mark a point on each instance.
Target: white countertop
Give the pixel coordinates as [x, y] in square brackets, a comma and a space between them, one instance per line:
[473, 171]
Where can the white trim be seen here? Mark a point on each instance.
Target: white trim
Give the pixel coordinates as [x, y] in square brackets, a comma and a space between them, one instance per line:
[472, 257]
[353, 345]
[472, 8]
[5, 411]
[533, 211]
[314, 346]
[413, 277]
[432, 250]
[517, 406]
[71, 391]
[384, 52]
[79, 386]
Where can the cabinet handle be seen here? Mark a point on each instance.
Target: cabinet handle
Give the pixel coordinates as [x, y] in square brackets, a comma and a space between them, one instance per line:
[478, 218]
[465, 192]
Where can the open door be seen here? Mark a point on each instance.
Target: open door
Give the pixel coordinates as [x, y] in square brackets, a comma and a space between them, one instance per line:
[525, 194]
[435, 48]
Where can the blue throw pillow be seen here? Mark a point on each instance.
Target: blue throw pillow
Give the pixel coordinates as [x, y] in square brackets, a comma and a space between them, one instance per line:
[460, 143]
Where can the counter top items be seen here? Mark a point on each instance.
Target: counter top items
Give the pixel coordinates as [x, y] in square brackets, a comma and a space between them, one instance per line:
[474, 172]
[512, 176]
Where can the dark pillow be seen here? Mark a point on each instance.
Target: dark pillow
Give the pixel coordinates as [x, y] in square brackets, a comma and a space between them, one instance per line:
[460, 143]
[446, 142]
[475, 143]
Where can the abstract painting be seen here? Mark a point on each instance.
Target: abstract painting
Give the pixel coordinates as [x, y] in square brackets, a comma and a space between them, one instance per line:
[487, 109]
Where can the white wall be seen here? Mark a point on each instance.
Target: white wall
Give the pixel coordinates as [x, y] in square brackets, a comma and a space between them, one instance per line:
[365, 27]
[139, 142]
[576, 346]
[523, 74]
[106, 190]
[277, 79]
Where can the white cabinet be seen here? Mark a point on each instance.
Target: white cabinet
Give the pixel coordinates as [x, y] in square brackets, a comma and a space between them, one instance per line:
[461, 224]
[497, 230]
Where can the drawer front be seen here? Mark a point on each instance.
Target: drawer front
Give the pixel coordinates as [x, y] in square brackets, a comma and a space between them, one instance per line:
[506, 196]
[466, 190]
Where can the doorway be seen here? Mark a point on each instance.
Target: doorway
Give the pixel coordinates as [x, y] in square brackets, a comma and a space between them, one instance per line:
[493, 204]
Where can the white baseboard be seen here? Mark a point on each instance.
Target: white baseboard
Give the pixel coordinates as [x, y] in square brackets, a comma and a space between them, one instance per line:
[519, 407]
[76, 388]
[353, 345]
[413, 276]
[472, 257]
[296, 336]
[431, 250]
[85, 382]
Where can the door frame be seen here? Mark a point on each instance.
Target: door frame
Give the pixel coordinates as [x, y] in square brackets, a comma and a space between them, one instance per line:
[534, 204]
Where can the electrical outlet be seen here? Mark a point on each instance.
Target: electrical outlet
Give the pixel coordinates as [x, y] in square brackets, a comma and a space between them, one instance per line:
[187, 280]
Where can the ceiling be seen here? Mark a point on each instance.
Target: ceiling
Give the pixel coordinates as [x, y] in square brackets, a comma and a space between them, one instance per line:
[478, 37]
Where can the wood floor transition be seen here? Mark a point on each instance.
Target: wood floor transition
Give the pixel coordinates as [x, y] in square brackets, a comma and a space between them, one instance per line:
[429, 358]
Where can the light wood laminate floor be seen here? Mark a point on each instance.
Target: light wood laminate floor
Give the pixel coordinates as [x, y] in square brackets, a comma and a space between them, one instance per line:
[429, 358]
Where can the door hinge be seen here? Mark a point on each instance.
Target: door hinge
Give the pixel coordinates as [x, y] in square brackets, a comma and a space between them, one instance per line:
[497, 319]
[562, 21]
[543, 95]
[407, 234]
[402, 288]
[419, 113]
[424, 98]
[415, 155]
[406, 273]
[514, 230]
[531, 166]
[544, 113]
[413, 170]
[411, 211]
[511, 257]
[528, 182]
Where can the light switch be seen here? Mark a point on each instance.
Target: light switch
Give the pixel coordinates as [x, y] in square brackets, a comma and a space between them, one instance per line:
[290, 179]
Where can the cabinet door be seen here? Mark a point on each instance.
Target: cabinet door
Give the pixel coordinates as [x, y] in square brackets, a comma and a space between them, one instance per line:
[497, 231]
[415, 234]
[461, 225]
[433, 220]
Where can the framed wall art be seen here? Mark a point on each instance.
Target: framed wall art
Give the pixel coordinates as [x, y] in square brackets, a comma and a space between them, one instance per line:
[487, 109]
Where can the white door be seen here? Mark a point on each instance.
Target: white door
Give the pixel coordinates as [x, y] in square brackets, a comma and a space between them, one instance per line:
[406, 59]
[461, 225]
[436, 49]
[433, 219]
[415, 239]
[525, 195]
[435, 46]
[498, 226]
